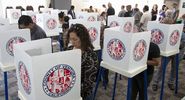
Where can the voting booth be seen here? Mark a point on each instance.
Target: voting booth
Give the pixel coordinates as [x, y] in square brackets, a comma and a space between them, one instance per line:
[13, 15]
[87, 16]
[31, 14]
[80, 15]
[40, 78]
[93, 29]
[125, 52]
[126, 23]
[46, 10]
[49, 23]
[4, 21]
[166, 36]
[8, 39]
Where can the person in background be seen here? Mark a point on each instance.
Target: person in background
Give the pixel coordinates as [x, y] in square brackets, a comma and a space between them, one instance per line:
[175, 12]
[145, 18]
[110, 10]
[154, 12]
[102, 18]
[137, 16]
[29, 8]
[129, 11]
[104, 8]
[168, 17]
[136, 7]
[79, 37]
[36, 31]
[39, 8]
[162, 12]
[122, 12]
[71, 12]
[61, 18]
[20, 7]
[90, 9]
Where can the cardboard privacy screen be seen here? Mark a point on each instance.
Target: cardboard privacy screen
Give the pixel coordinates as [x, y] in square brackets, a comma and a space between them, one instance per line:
[40, 78]
[166, 36]
[93, 29]
[87, 16]
[126, 23]
[13, 15]
[8, 39]
[49, 23]
[4, 21]
[125, 51]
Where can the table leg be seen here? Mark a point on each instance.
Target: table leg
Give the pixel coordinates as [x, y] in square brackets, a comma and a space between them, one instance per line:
[97, 82]
[145, 85]
[6, 85]
[129, 89]
[177, 67]
[114, 88]
[164, 64]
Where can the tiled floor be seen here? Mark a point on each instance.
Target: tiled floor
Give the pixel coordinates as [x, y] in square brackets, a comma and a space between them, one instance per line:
[103, 94]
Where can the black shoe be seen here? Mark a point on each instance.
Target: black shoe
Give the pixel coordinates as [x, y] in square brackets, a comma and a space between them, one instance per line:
[171, 86]
[154, 87]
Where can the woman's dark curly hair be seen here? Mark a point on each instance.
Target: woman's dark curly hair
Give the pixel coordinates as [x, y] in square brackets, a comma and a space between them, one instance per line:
[83, 34]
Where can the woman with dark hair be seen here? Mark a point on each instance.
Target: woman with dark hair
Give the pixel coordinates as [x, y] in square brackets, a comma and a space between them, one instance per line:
[79, 38]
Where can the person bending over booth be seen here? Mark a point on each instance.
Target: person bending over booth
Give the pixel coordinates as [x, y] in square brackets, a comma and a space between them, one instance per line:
[36, 31]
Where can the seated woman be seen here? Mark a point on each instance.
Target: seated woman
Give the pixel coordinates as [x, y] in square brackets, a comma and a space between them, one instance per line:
[79, 38]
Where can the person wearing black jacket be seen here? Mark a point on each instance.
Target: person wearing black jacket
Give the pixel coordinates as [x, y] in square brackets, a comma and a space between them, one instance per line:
[71, 12]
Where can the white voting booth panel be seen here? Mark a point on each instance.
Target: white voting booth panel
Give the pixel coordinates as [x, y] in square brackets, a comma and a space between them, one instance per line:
[46, 10]
[8, 39]
[43, 75]
[166, 36]
[126, 52]
[93, 29]
[4, 21]
[13, 15]
[31, 14]
[9, 27]
[80, 15]
[49, 23]
[91, 17]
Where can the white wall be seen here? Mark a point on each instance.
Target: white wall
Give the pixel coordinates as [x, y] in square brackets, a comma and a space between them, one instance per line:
[116, 3]
[23, 3]
[182, 10]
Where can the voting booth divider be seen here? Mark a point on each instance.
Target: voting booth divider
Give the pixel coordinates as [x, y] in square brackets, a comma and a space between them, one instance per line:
[4, 21]
[126, 52]
[43, 75]
[166, 36]
[13, 15]
[31, 14]
[46, 10]
[93, 29]
[87, 16]
[49, 23]
[8, 39]
[126, 23]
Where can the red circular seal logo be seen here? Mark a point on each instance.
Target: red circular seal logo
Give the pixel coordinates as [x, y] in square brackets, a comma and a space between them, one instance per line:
[116, 49]
[127, 27]
[34, 18]
[139, 50]
[174, 37]
[51, 23]
[91, 18]
[93, 33]
[114, 24]
[59, 80]
[24, 77]
[157, 36]
[14, 40]
[15, 15]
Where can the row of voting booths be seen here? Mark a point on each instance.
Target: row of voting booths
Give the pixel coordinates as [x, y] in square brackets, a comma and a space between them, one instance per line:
[40, 78]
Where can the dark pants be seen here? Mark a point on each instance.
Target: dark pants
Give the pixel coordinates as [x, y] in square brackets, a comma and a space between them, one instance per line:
[138, 85]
